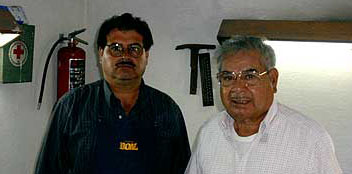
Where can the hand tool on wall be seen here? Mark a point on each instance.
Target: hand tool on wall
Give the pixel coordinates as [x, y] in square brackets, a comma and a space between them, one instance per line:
[194, 62]
[205, 79]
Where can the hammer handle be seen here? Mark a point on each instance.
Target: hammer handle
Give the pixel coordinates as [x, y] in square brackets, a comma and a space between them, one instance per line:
[194, 72]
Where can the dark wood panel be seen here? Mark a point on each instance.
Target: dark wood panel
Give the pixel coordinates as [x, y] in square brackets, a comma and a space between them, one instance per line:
[327, 31]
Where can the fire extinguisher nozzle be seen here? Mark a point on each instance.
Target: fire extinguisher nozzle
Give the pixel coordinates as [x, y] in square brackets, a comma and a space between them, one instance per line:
[38, 106]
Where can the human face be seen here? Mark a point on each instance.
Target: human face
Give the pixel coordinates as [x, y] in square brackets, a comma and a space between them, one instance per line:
[126, 67]
[243, 101]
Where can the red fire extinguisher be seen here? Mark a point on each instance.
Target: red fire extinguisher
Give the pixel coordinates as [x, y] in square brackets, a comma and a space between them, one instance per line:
[71, 65]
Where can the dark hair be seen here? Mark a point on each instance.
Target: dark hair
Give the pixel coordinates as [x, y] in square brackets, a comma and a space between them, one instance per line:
[125, 22]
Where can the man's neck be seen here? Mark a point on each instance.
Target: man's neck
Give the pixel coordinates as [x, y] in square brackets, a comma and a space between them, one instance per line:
[248, 127]
[127, 92]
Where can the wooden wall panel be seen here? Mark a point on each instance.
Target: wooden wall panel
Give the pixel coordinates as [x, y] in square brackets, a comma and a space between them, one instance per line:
[327, 31]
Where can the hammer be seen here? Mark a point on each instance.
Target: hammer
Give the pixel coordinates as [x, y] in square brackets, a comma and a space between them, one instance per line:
[194, 62]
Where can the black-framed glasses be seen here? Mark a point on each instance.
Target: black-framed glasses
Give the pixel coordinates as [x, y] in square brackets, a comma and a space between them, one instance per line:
[134, 50]
[249, 77]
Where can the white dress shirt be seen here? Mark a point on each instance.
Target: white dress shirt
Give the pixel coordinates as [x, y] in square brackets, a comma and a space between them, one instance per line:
[287, 143]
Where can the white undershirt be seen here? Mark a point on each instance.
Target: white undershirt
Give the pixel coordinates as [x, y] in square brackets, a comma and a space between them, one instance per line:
[243, 143]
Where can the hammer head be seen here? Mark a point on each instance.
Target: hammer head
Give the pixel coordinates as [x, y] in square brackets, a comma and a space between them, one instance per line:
[195, 46]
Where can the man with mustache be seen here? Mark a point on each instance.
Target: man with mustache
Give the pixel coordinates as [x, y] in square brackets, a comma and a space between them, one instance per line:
[256, 134]
[117, 124]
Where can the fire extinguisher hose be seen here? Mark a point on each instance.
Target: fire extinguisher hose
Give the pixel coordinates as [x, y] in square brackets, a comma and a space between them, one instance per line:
[45, 71]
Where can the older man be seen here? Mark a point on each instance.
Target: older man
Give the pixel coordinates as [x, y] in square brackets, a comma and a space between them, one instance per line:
[256, 134]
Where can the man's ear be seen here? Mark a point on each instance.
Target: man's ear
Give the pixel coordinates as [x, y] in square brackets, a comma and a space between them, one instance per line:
[101, 53]
[147, 56]
[274, 77]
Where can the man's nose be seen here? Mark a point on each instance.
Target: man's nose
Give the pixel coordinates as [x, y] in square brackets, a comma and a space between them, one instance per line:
[238, 83]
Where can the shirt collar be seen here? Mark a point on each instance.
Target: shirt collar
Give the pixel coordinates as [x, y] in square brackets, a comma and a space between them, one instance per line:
[227, 121]
[108, 94]
[269, 116]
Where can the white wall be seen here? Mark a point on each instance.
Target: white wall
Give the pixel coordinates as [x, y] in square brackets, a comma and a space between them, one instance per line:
[21, 125]
[173, 23]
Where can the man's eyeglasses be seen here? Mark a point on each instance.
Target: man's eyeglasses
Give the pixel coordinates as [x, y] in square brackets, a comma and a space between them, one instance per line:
[249, 77]
[134, 50]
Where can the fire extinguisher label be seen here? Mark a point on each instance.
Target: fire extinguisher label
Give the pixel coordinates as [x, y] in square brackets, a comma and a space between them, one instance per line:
[77, 67]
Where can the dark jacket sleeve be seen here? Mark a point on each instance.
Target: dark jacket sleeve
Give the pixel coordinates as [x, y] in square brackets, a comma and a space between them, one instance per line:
[183, 151]
[173, 150]
[51, 155]
[181, 146]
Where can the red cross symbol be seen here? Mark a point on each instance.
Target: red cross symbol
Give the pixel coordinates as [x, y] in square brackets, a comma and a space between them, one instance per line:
[18, 51]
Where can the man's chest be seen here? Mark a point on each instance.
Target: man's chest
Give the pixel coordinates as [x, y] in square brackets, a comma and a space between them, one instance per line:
[265, 155]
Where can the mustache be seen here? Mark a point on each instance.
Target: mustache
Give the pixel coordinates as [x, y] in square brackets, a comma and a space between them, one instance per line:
[125, 62]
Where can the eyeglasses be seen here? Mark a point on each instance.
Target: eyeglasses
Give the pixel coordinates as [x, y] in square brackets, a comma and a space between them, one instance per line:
[249, 77]
[134, 50]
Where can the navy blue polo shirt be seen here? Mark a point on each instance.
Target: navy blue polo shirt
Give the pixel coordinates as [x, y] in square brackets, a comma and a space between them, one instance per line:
[126, 143]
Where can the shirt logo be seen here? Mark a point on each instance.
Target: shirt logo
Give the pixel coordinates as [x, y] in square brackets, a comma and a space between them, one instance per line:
[129, 145]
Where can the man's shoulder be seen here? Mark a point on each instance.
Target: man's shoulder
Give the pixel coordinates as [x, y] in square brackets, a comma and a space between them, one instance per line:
[87, 88]
[212, 132]
[80, 99]
[214, 124]
[81, 94]
[299, 121]
[161, 104]
[158, 94]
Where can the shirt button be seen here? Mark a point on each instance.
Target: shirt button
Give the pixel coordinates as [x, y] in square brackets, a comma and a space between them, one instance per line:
[120, 117]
